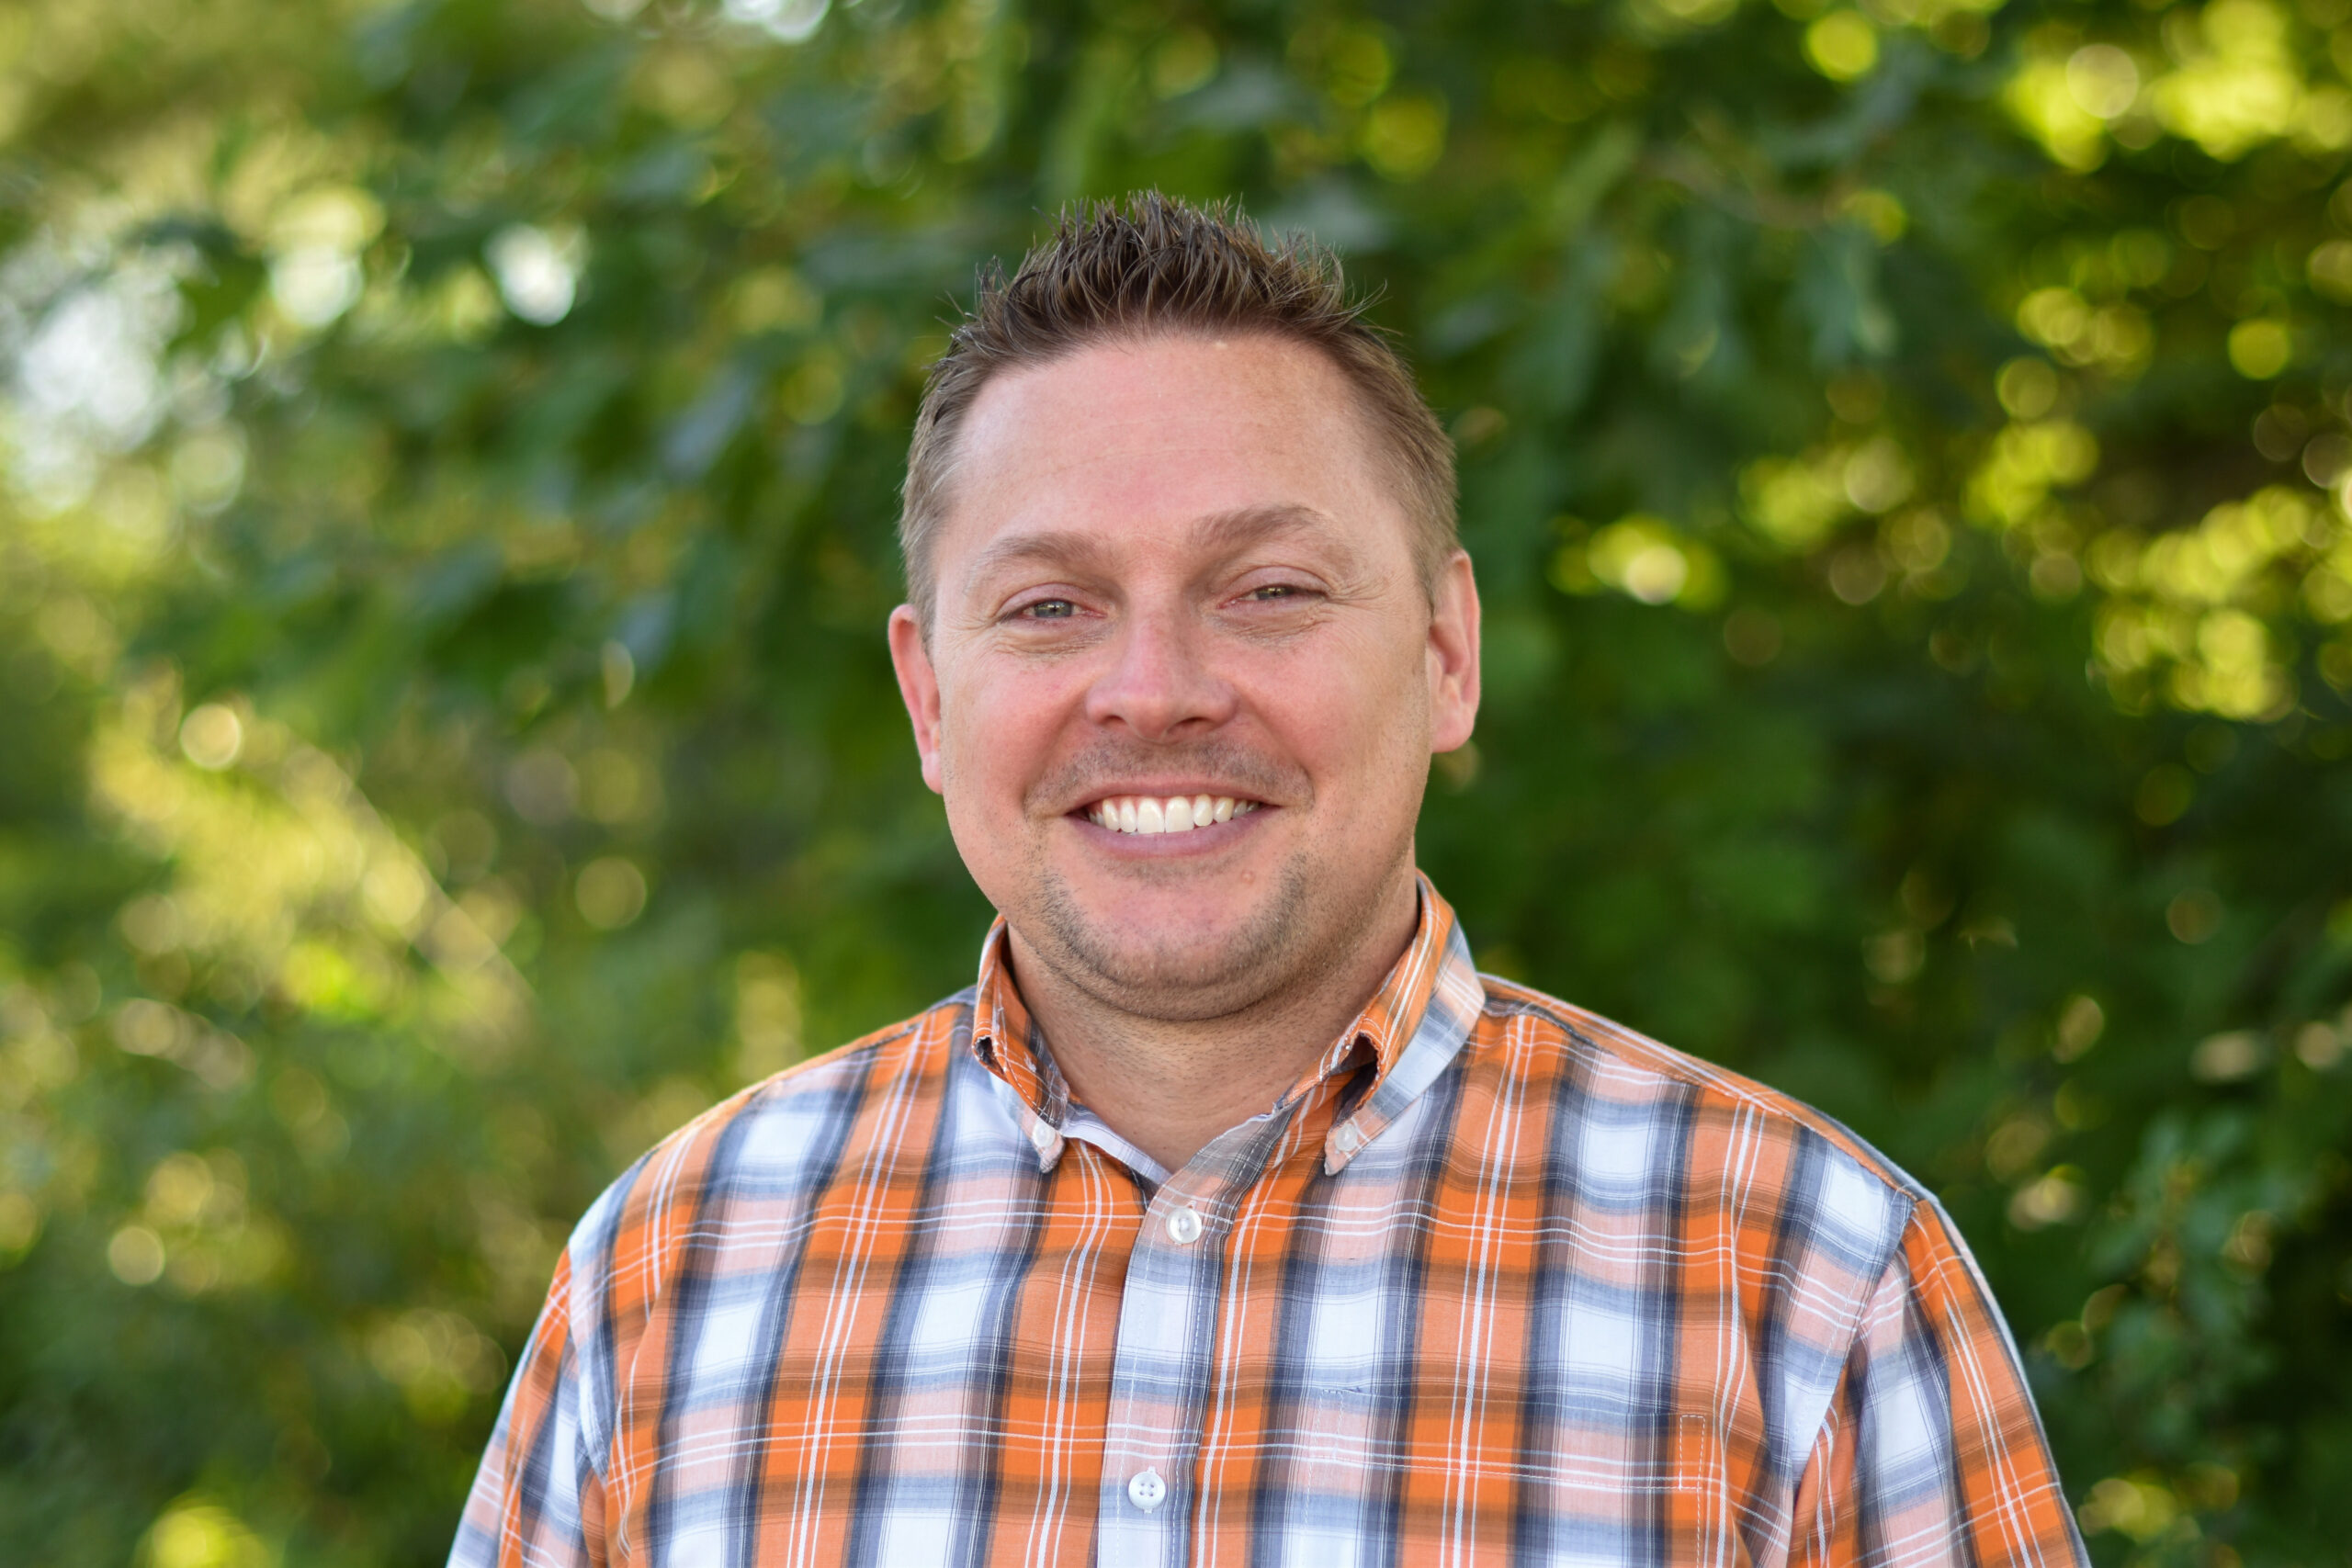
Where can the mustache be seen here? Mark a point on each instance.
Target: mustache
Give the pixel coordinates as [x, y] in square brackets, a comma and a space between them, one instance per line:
[1106, 764]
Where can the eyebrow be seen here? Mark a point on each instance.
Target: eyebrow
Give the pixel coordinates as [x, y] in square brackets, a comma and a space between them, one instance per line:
[1229, 530]
[1223, 531]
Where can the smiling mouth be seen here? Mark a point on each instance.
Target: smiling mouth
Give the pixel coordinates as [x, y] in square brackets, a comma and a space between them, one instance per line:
[1165, 814]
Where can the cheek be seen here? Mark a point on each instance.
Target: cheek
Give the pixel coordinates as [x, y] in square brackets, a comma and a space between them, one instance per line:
[1348, 719]
[997, 724]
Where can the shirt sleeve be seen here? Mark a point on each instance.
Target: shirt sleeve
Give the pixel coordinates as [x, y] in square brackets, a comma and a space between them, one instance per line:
[538, 1497]
[1931, 1452]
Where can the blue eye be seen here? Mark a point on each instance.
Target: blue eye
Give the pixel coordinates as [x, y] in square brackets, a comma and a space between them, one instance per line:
[1050, 610]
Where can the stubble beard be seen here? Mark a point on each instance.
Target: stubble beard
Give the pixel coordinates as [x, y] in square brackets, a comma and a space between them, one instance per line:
[1301, 932]
[1312, 922]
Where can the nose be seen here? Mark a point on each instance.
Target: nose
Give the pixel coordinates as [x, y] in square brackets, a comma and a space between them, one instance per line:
[1159, 686]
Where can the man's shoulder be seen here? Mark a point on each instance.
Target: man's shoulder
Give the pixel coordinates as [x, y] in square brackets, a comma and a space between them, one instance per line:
[765, 1133]
[827, 1083]
[829, 1071]
[1638, 1076]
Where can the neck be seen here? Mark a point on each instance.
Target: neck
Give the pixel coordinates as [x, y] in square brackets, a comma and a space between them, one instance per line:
[1168, 1086]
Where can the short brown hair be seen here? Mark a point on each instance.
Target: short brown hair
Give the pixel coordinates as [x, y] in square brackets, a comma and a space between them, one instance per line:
[1116, 272]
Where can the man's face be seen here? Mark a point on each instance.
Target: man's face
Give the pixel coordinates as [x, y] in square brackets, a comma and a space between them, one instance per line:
[1175, 572]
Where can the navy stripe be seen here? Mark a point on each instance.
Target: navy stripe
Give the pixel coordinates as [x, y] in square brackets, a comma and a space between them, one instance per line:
[746, 1498]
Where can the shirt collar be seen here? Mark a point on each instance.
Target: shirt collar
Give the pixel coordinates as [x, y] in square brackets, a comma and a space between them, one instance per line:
[1413, 1026]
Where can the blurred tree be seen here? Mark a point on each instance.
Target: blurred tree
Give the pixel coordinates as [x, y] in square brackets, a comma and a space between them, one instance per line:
[445, 740]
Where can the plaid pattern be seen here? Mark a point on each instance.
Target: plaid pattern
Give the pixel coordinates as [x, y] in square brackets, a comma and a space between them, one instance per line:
[1497, 1281]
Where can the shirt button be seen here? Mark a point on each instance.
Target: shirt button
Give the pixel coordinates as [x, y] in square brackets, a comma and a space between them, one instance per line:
[1146, 1491]
[1347, 1140]
[1184, 1229]
[1041, 1136]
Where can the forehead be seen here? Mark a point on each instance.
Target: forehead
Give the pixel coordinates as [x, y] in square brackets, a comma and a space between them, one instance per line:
[1138, 442]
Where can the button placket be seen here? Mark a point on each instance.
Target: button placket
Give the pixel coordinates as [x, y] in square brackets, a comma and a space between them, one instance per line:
[1169, 1305]
[1166, 1358]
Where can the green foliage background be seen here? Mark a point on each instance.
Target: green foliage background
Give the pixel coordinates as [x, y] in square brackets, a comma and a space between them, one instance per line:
[446, 738]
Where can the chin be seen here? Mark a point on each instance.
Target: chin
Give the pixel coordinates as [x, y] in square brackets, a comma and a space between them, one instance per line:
[1154, 948]
[1166, 916]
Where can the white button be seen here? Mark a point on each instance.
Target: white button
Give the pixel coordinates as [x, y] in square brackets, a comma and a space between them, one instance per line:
[1146, 1491]
[1347, 1140]
[1042, 1137]
[1184, 1228]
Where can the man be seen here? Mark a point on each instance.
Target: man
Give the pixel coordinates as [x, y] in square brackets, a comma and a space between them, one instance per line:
[1232, 1216]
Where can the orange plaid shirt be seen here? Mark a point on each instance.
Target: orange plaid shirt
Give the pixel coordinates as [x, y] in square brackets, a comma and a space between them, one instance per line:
[1498, 1281]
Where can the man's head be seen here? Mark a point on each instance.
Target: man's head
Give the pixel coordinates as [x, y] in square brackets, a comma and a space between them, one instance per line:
[1182, 553]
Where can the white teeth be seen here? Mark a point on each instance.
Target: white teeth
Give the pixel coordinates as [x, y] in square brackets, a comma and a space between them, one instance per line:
[1173, 814]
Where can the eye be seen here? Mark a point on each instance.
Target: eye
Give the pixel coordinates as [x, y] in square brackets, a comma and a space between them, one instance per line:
[1276, 593]
[1047, 610]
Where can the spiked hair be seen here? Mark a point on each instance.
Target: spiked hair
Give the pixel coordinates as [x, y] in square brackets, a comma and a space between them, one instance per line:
[1150, 267]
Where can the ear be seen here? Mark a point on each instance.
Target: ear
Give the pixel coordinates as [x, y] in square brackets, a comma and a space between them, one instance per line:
[1454, 654]
[919, 688]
